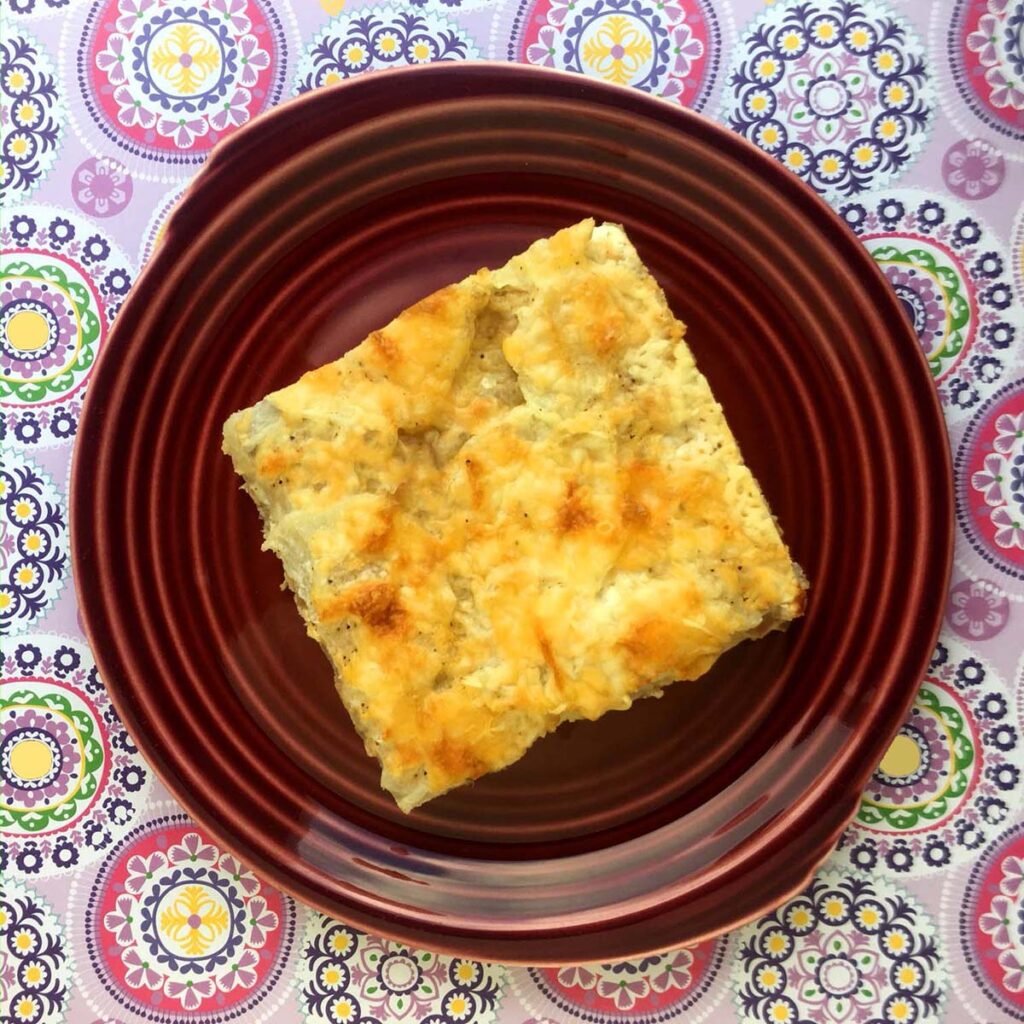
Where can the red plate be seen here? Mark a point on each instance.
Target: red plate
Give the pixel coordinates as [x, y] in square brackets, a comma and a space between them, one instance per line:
[674, 821]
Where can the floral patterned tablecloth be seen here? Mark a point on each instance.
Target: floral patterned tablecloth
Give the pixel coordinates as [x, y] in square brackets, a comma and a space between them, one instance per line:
[908, 116]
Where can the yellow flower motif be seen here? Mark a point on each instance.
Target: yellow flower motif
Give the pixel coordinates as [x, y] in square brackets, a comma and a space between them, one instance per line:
[16, 81]
[26, 1008]
[795, 160]
[457, 1006]
[5, 600]
[25, 576]
[768, 977]
[767, 67]
[800, 918]
[868, 917]
[194, 920]
[900, 1010]
[330, 976]
[355, 55]
[388, 43]
[909, 975]
[34, 540]
[465, 971]
[895, 93]
[829, 165]
[185, 57]
[421, 51]
[825, 32]
[791, 41]
[768, 136]
[617, 50]
[33, 974]
[864, 154]
[3, 918]
[780, 1014]
[332, 78]
[895, 942]
[834, 907]
[23, 941]
[340, 942]
[19, 145]
[343, 1010]
[27, 112]
[885, 60]
[859, 38]
[776, 942]
[758, 102]
[888, 127]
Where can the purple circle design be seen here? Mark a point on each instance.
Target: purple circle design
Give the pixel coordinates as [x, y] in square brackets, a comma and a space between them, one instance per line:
[101, 186]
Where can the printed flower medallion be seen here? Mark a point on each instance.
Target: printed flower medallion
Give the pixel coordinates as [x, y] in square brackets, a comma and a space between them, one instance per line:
[844, 950]
[62, 280]
[680, 985]
[951, 778]
[840, 92]
[952, 276]
[35, 970]
[172, 927]
[163, 81]
[670, 48]
[348, 977]
[72, 779]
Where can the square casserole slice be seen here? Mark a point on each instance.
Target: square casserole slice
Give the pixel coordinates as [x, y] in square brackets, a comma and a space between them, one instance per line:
[515, 505]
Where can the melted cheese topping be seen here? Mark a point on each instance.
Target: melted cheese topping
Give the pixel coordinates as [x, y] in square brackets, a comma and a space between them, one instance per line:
[517, 504]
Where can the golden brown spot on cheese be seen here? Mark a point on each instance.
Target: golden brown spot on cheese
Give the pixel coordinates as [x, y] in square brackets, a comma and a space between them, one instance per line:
[385, 346]
[457, 760]
[274, 463]
[437, 303]
[549, 657]
[476, 491]
[634, 512]
[376, 602]
[376, 541]
[574, 514]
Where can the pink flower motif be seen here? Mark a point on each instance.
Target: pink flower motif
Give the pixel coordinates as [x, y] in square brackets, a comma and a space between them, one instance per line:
[1009, 430]
[233, 113]
[192, 850]
[261, 920]
[973, 169]
[253, 61]
[183, 132]
[101, 187]
[573, 977]
[977, 610]
[560, 11]
[111, 60]
[1013, 876]
[246, 880]
[131, 113]
[1006, 92]
[120, 920]
[1010, 529]
[141, 869]
[139, 973]
[242, 973]
[980, 40]
[130, 12]
[189, 993]
[674, 972]
[235, 12]
[623, 993]
[687, 48]
[996, 921]
[1013, 973]
[989, 481]
[543, 51]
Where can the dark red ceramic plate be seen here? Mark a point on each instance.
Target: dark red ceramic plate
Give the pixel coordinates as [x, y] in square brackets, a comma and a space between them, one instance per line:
[676, 820]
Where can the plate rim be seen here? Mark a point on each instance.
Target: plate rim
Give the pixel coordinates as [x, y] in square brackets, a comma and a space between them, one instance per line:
[80, 504]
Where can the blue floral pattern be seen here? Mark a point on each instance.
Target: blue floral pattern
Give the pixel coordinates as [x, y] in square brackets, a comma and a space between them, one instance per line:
[844, 950]
[348, 977]
[31, 112]
[35, 972]
[838, 92]
[382, 37]
[33, 544]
